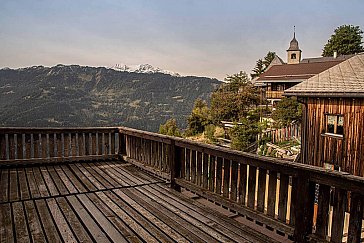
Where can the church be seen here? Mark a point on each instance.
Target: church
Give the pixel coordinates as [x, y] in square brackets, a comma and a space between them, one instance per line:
[281, 75]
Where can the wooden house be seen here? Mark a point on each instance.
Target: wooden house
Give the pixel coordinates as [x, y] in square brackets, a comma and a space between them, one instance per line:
[281, 76]
[333, 117]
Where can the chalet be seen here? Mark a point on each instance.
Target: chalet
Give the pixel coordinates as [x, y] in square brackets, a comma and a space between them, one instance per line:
[333, 116]
[280, 76]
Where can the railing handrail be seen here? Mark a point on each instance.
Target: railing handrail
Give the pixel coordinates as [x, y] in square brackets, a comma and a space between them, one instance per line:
[15, 130]
[316, 174]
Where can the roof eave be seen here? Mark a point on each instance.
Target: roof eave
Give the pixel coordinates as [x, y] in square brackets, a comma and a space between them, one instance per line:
[325, 94]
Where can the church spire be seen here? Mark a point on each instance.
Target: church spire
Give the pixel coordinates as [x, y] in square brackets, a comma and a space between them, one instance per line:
[293, 52]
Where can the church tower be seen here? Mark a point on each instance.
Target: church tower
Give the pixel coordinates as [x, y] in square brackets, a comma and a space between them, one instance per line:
[293, 52]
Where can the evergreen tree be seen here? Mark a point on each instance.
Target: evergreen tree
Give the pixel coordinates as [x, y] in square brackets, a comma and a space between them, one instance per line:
[170, 128]
[262, 64]
[347, 39]
[287, 111]
[199, 118]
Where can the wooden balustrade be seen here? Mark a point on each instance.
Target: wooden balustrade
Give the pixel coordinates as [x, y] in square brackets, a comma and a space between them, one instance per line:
[273, 193]
[40, 145]
[277, 194]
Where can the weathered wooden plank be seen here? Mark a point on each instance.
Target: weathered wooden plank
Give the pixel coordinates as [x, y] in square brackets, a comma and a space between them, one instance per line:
[14, 194]
[100, 143]
[12, 146]
[272, 187]
[237, 207]
[81, 144]
[113, 143]
[242, 183]
[101, 176]
[190, 217]
[94, 229]
[60, 221]
[213, 216]
[92, 176]
[34, 191]
[49, 182]
[20, 223]
[205, 168]
[356, 216]
[283, 197]
[262, 178]
[6, 222]
[193, 166]
[44, 145]
[304, 208]
[69, 180]
[19, 146]
[74, 223]
[339, 206]
[23, 184]
[226, 178]
[188, 164]
[40, 182]
[323, 211]
[52, 145]
[120, 208]
[35, 227]
[60, 145]
[94, 147]
[234, 180]
[212, 173]
[28, 146]
[164, 219]
[82, 177]
[219, 164]
[251, 186]
[59, 184]
[114, 219]
[199, 169]
[292, 216]
[104, 223]
[3, 152]
[67, 145]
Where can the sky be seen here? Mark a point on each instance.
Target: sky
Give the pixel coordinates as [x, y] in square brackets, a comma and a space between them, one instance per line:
[212, 38]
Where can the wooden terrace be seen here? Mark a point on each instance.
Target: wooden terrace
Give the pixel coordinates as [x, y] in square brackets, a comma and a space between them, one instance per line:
[125, 185]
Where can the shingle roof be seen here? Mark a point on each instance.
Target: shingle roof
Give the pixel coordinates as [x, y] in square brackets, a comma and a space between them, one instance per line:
[343, 80]
[299, 72]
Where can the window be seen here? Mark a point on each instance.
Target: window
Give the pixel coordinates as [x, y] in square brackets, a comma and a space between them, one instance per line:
[335, 124]
[293, 56]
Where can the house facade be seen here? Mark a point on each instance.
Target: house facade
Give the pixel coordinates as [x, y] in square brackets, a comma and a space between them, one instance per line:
[333, 117]
[281, 76]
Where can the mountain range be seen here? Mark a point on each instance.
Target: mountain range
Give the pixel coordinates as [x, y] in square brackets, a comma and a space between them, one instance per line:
[78, 96]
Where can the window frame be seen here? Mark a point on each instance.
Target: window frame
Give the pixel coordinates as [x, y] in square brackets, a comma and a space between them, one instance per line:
[336, 125]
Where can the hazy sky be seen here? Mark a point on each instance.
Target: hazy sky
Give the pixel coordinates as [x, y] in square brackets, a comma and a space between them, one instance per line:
[192, 37]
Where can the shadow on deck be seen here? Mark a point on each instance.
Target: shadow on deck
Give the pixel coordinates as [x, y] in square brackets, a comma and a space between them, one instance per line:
[103, 202]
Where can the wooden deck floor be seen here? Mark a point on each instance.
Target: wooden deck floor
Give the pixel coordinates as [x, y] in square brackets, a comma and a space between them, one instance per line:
[105, 202]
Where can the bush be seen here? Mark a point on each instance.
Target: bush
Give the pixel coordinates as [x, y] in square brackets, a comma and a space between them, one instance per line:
[170, 128]
[210, 132]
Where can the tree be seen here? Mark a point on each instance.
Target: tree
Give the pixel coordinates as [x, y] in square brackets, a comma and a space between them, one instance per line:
[244, 135]
[287, 111]
[232, 100]
[262, 64]
[170, 128]
[199, 118]
[347, 39]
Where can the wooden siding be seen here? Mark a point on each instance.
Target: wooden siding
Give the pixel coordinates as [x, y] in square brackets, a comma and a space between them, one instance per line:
[346, 151]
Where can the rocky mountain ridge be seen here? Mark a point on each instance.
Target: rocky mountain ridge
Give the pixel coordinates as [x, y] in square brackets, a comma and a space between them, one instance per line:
[72, 95]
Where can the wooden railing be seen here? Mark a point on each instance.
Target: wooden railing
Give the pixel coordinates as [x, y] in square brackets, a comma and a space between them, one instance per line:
[40, 145]
[274, 94]
[282, 134]
[277, 194]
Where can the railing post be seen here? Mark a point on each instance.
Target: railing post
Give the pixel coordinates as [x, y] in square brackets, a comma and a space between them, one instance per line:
[122, 145]
[175, 164]
[305, 196]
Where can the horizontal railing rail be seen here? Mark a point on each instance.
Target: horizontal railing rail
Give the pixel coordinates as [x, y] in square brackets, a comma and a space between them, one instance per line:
[278, 194]
[45, 145]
